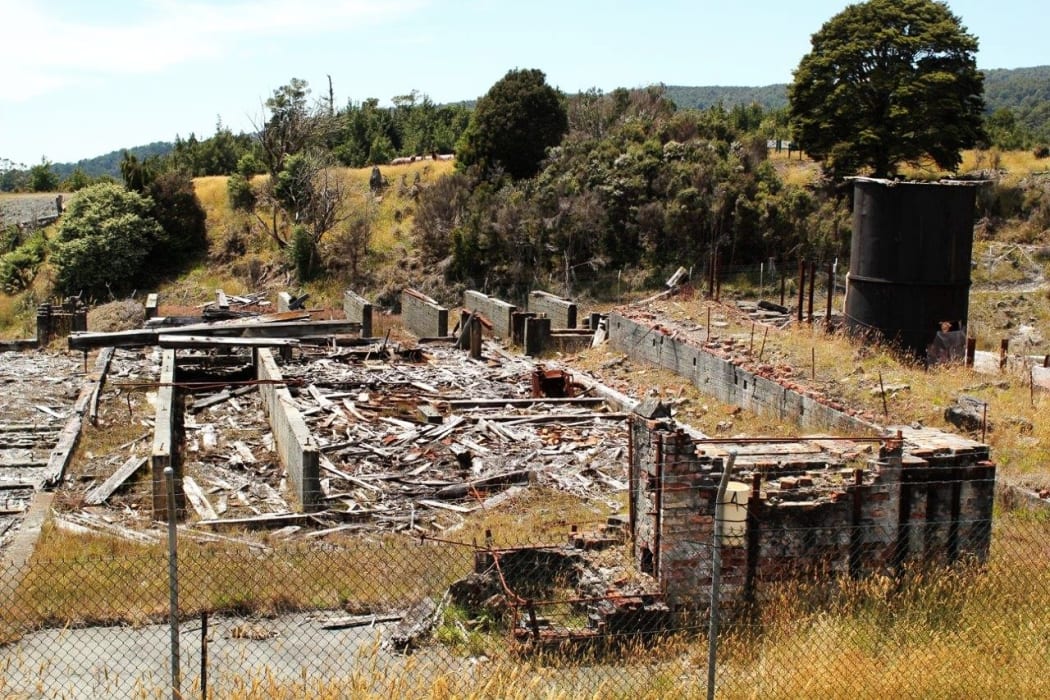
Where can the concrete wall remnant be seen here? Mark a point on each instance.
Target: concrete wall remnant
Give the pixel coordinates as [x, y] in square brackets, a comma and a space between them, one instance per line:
[295, 444]
[726, 381]
[359, 310]
[561, 312]
[422, 315]
[499, 312]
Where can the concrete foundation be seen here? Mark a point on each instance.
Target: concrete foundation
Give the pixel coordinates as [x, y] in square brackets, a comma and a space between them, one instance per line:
[725, 381]
[295, 445]
[499, 312]
[358, 310]
[284, 302]
[423, 316]
[561, 312]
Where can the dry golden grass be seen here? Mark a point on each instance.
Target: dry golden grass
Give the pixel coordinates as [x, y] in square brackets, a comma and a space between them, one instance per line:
[973, 631]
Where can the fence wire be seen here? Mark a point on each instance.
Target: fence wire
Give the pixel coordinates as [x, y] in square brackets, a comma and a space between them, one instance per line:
[402, 616]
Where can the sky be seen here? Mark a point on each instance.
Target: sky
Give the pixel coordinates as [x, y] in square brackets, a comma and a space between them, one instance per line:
[86, 78]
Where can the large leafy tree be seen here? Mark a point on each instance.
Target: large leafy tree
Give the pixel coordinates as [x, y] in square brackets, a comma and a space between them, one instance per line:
[888, 82]
[514, 124]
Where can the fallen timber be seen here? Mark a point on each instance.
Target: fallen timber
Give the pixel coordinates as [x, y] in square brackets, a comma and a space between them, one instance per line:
[151, 336]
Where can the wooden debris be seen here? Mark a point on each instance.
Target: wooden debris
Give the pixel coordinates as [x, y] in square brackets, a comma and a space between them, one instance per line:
[342, 623]
[197, 499]
[99, 494]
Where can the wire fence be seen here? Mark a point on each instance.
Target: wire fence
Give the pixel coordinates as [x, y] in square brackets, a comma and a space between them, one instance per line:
[410, 616]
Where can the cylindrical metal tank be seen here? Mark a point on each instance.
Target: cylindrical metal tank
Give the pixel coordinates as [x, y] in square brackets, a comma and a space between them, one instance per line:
[910, 259]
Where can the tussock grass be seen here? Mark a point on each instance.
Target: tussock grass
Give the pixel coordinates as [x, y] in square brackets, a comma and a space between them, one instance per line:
[972, 631]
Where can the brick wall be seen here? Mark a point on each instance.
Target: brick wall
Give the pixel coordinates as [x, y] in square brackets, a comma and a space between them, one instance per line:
[925, 505]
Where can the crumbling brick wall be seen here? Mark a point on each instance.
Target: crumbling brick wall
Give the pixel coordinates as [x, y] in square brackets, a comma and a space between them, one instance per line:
[929, 505]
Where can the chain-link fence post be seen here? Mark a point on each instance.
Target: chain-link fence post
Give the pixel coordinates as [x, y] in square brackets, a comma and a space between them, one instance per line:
[173, 583]
[716, 577]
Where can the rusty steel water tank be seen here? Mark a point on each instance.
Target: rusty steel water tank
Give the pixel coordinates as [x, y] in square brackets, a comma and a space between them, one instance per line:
[910, 259]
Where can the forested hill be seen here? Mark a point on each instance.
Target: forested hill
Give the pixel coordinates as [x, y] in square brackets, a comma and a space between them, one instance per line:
[109, 164]
[768, 96]
[1025, 91]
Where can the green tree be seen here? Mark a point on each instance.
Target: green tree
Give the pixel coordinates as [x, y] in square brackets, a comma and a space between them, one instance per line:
[179, 212]
[77, 180]
[888, 82]
[514, 124]
[42, 177]
[104, 238]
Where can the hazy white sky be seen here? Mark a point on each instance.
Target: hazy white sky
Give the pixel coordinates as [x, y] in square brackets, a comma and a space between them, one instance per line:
[85, 78]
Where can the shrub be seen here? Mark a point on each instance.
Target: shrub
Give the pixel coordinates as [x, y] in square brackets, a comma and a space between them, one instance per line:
[103, 240]
[19, 266]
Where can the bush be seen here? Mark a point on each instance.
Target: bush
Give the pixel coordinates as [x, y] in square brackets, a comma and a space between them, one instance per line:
[19, 266]
[242, 197]
[178, 211]
[303, 254]
[103, 240]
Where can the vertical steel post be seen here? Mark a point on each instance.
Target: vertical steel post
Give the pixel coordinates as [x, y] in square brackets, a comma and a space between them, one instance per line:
[173, 584]
[716, 578]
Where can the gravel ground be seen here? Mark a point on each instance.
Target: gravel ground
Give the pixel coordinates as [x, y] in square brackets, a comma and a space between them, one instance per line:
[20, 208]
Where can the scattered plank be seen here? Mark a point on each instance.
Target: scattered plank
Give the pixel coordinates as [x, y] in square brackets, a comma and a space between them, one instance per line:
[261, 522]
[98, 495]
[197, 499]
[342, 623]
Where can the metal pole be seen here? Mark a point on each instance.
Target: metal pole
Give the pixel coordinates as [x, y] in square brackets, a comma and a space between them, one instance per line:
[204, 655]
[716, 578]
[173, 584]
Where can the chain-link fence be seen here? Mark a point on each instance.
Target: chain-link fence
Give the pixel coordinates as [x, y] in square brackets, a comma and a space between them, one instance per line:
[420, 616]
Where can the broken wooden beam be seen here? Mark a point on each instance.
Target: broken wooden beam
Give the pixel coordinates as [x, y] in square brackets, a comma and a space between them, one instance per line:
[526, 403]
[487, 483]
[169, 340]
[98, 495]
[195, 495]
[269, 520]
[252, 328]
[341, 623]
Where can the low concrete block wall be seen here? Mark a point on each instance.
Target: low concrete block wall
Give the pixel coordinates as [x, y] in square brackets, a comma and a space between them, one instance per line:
[561, 312]
[167, 434]
[423, 316]
[499, 312]
[727, 382]
[284, 302]
[296, 447]
[569, 342]
[359, 310]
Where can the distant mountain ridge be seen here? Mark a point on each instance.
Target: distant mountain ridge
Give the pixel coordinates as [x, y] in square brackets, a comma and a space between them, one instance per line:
[1025, 90]
[109, 163]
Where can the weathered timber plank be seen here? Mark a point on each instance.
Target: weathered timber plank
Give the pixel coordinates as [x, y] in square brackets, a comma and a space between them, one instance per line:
[195, 495]
[99, 494]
